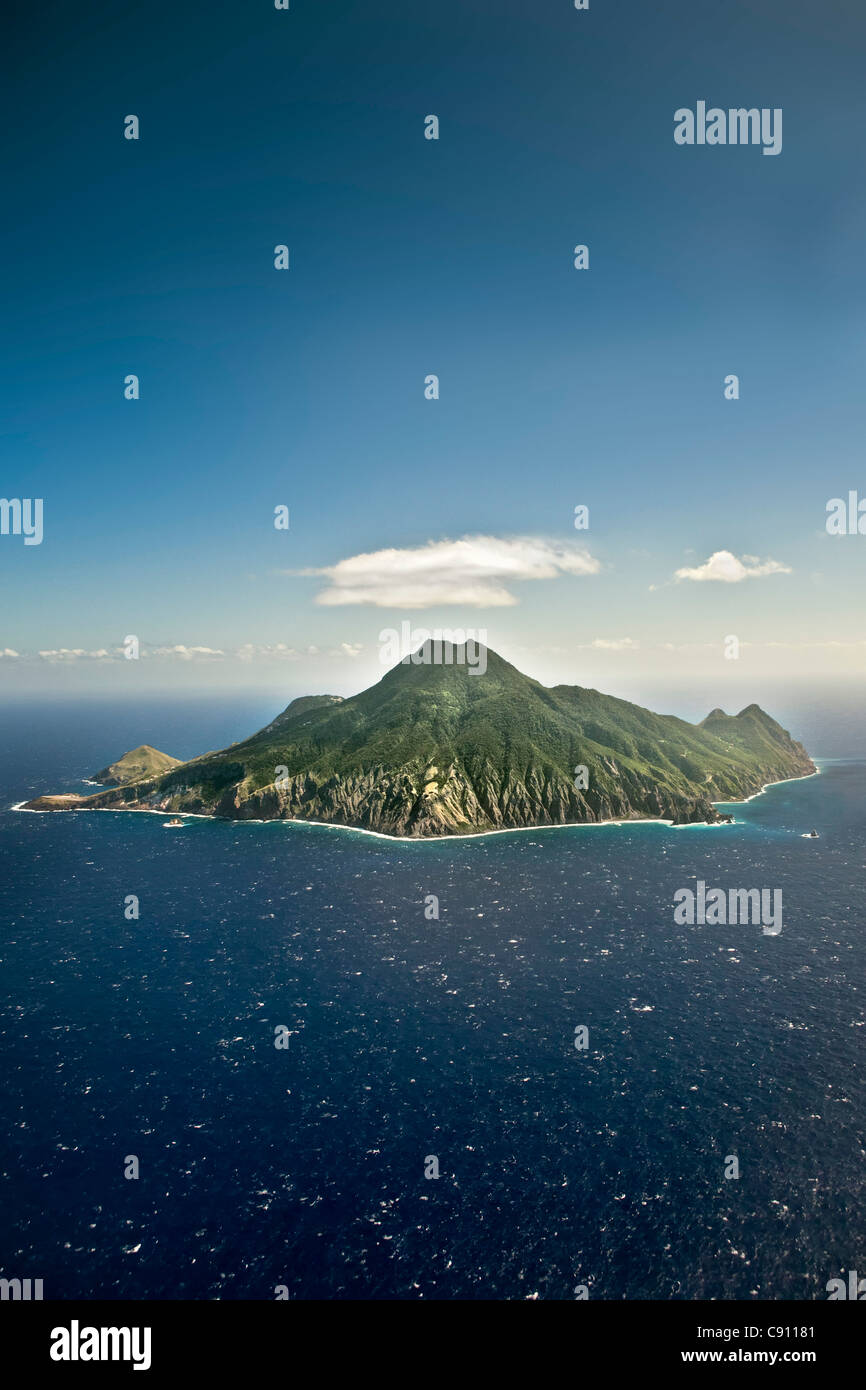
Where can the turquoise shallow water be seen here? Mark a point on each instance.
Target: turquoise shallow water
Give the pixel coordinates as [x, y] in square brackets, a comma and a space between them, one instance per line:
[411, 1038]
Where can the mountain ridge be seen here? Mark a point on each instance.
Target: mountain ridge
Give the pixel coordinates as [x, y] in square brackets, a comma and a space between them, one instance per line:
[437, 748]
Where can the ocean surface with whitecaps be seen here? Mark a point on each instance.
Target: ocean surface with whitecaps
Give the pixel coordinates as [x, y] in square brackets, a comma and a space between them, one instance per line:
[413, 1038]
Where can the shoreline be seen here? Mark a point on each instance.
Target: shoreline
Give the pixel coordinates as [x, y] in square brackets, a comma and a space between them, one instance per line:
[435, 839]
[781, 782]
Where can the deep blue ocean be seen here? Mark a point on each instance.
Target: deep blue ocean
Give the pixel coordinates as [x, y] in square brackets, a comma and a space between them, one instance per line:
[411, 1038]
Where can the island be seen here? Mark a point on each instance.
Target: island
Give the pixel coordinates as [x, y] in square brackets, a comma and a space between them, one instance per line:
[135, 766]
[438, 747]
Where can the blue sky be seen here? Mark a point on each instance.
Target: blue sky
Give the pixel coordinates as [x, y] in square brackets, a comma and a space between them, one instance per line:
[408, 257]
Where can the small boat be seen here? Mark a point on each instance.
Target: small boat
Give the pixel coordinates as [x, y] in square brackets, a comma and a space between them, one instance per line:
[173, 824]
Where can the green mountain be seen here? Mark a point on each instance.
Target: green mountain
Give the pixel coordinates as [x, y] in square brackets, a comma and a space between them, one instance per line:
[437, 749]
[133, 766]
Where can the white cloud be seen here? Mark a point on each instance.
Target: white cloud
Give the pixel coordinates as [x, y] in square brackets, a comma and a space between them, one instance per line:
[252, 651]
[184, 653]
[474, 571]
[74, 654]
[616, 644]
[180, 651]
[724, 568]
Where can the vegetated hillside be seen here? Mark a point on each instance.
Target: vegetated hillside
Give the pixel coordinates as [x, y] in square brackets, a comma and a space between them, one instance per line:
[133, 766]
[435, 749]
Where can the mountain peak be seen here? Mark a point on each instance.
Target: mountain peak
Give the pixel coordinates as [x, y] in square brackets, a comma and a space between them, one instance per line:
[304, 704]
[714, 714]
[140, 762]
[441, 651]
[438, 661]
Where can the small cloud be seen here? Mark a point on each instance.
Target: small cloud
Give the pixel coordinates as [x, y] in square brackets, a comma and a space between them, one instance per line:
[67, 654]
[475, 572]
[616, 644]
[276, 651]
[8, 652]
[813, 646]
[184, 653]
[724, 568]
